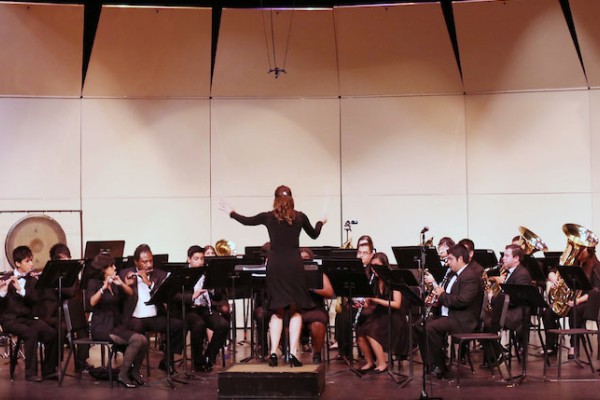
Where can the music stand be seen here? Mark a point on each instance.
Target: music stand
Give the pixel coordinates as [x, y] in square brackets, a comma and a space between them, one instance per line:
[410, 256]
[349, 280]
[179, 280]
[173, 266]
[535, 270]
[95, 247]
[258, 274]
[399, 280]
[56, 275]
[485, 257]
[528, 297]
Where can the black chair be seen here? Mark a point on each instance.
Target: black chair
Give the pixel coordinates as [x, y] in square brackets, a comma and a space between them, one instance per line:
[489, 338]
[14, 347]
[75, 321]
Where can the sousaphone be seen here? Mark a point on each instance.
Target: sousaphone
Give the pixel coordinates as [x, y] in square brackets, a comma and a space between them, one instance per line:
[37, 231]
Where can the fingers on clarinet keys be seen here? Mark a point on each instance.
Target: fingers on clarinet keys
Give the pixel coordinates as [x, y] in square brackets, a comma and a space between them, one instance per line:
[273, 360]
[294, 362]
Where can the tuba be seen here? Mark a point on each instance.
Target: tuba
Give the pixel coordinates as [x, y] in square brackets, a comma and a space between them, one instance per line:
[224, 247]
[531, 242]
[578, 239]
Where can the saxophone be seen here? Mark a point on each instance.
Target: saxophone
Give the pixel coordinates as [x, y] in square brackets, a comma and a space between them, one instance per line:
[578, 238]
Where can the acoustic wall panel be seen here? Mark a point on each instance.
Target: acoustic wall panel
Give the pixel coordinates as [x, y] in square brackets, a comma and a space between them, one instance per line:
[315, 208]
[403, 145]
[39, 154]
[402, 49]
[168, 225]
[151, 52]
[257, 145]
[398, 220]
[594, 115]
[585, 16]
[41, 49]
[304, 44]
[495, 219]
[134, 148]
[528, 143]
[516, 45]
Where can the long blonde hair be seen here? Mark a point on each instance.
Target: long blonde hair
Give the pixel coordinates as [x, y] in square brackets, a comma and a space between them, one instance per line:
[283, 205]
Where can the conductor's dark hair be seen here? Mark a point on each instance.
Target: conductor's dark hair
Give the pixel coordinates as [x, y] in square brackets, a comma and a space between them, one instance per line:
[283, 205]
[20, 253]
[459, 251]
[194, 249]
[142, 248]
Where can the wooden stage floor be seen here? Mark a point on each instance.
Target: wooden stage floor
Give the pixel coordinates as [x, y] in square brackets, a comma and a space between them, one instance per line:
[340, 383]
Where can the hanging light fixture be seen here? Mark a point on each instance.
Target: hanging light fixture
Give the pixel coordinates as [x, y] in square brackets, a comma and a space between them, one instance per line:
[277, 63]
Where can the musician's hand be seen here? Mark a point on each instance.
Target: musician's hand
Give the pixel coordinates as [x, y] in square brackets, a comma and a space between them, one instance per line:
[438, 291]
[429, 279]
[552, 278]
[117, 280]
[15, 283]
[4, 285]
[198, 293]
[571, 303]
[367, 302]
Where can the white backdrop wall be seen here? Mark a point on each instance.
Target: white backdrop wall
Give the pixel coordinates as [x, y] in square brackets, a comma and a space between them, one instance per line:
[149, 159]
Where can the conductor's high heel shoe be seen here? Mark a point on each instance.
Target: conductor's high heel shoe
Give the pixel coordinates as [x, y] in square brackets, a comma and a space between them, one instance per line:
[294, 362]
[128, 384]
[273, 360]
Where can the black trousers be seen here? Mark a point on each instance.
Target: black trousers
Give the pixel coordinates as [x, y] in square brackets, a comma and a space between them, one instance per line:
[552, 321]
[432, 349]
[159, 324]
[198, 320]
[32, 331]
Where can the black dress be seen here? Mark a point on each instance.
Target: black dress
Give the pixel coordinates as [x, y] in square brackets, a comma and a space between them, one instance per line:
[286, 281]
[106, 315]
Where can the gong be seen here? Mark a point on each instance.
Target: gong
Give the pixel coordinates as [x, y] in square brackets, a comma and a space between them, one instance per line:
[37, 231]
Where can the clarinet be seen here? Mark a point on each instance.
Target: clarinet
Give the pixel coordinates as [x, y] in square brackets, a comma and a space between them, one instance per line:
[363, 301]
[432, 298]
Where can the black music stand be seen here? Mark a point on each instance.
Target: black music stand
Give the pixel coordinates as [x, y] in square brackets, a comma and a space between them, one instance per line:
[258, 274]
[528, 297]
[94, 247]
[221, 273]
[349, 280]
[399, 280]
[485, 257]
[173, 266]
[535, 269]
[56, 275]
[178, 281]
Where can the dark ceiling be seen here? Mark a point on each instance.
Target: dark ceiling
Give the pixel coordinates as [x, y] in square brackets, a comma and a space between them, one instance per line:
[93, 9]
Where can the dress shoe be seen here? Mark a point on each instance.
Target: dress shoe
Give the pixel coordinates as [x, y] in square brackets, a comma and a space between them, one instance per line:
[127, 383]
[137, 379]
[317, 358]
[571, 356]
[379, 371]
[366, 370]
[33, 378]
[273, 360]
[208, 365]
[441, 373]
[169, 370]
[294, 362]
[50, 377]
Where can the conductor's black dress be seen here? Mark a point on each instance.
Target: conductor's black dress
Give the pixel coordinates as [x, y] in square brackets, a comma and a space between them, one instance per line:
[286, 281]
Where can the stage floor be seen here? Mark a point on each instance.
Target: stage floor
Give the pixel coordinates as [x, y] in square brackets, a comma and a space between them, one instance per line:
[340, 383]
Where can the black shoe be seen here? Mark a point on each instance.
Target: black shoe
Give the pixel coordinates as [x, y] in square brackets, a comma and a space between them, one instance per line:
[294, 362]
[50, 377]
[208, 365]
[317, 358]
[163, 367]
[137, 379]
[128, 384]
[33, 378]
[273, 360]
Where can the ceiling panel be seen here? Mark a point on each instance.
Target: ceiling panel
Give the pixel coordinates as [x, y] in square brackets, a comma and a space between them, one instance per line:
[586, 14]
[41, 49]
[151, 52]
[516, 45]
[402, 49]
[245, 54]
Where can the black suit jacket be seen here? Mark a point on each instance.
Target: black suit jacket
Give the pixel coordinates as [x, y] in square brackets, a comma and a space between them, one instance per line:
[14, 306]
[465, 300]
[157, 276]
[520, 276]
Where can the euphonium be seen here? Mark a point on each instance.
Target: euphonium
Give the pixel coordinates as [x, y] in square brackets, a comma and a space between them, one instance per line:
[578, 238]
[531, 242]
[224, 247]
[491, 289]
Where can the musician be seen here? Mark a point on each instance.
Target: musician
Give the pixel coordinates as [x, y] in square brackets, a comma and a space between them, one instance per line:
[105, 294]
[209, 251]
[470, 246]
[588, 261]
[18, 297]
[139, 316]
[316, 319]
[202, 313]
[47, 306]
[374, 324]
[442, 248]
[460, 304]
[343, 323]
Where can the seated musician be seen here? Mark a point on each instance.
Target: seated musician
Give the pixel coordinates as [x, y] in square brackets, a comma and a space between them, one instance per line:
[106, 293]
[470, 245]
[460, 306]
[316, 318]
[47, 306]
[202, 313]
[514, 273]
[443, 245]
[142, 318]
[18, 297]
[373, 325]
[343, 323]
[588, 261]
